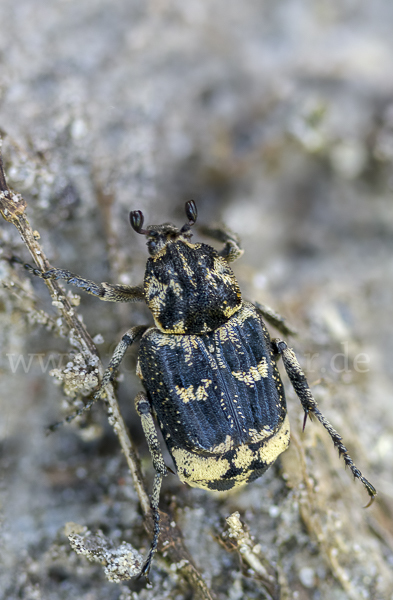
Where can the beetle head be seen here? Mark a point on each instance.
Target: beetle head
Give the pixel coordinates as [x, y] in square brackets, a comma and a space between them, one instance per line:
[160, 235]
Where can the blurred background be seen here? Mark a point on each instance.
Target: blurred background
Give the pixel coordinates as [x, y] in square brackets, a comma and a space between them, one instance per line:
[277, 119]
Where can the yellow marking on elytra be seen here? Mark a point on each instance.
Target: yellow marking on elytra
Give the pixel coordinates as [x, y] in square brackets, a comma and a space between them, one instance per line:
[279, 442]
[223, 447]
[199, 471]
[259, 436]
[243, 457]
[188, 394]
[254, 374]
[202, 390]
[228, 333]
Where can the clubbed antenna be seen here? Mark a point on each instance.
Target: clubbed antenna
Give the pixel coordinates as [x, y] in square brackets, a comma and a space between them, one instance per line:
[191, 213]
[136, 220]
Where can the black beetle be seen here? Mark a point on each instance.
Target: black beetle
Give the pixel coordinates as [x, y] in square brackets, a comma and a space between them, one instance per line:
[208, 366]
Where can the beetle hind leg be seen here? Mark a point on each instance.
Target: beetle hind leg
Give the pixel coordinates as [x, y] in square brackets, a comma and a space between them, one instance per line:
[149, 429]
[155, 496]
[310, 406]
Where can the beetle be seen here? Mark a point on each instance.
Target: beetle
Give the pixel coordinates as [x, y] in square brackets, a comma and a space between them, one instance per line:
[208, 365]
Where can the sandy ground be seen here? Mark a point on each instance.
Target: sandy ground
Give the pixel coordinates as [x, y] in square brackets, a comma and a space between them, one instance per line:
[277, 119]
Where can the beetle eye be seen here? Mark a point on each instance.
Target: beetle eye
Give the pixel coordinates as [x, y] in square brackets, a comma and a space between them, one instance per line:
[151, 246]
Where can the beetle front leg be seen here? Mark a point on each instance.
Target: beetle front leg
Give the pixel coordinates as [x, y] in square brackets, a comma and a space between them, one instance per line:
[310, 406]
[103, 291]
[232, 249]
[144, 411]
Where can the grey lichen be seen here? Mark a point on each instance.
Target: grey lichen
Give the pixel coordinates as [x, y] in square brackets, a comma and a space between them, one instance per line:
[120, 562]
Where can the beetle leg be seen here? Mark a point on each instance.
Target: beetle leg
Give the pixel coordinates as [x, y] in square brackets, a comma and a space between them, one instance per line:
[144, 411]
[275, 319]
[232, 249]
[103, 291]
[310, 406]
[128, 338]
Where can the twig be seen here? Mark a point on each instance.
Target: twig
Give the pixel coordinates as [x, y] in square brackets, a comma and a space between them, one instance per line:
[12, 208]
[238, 537]
[312, 519]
